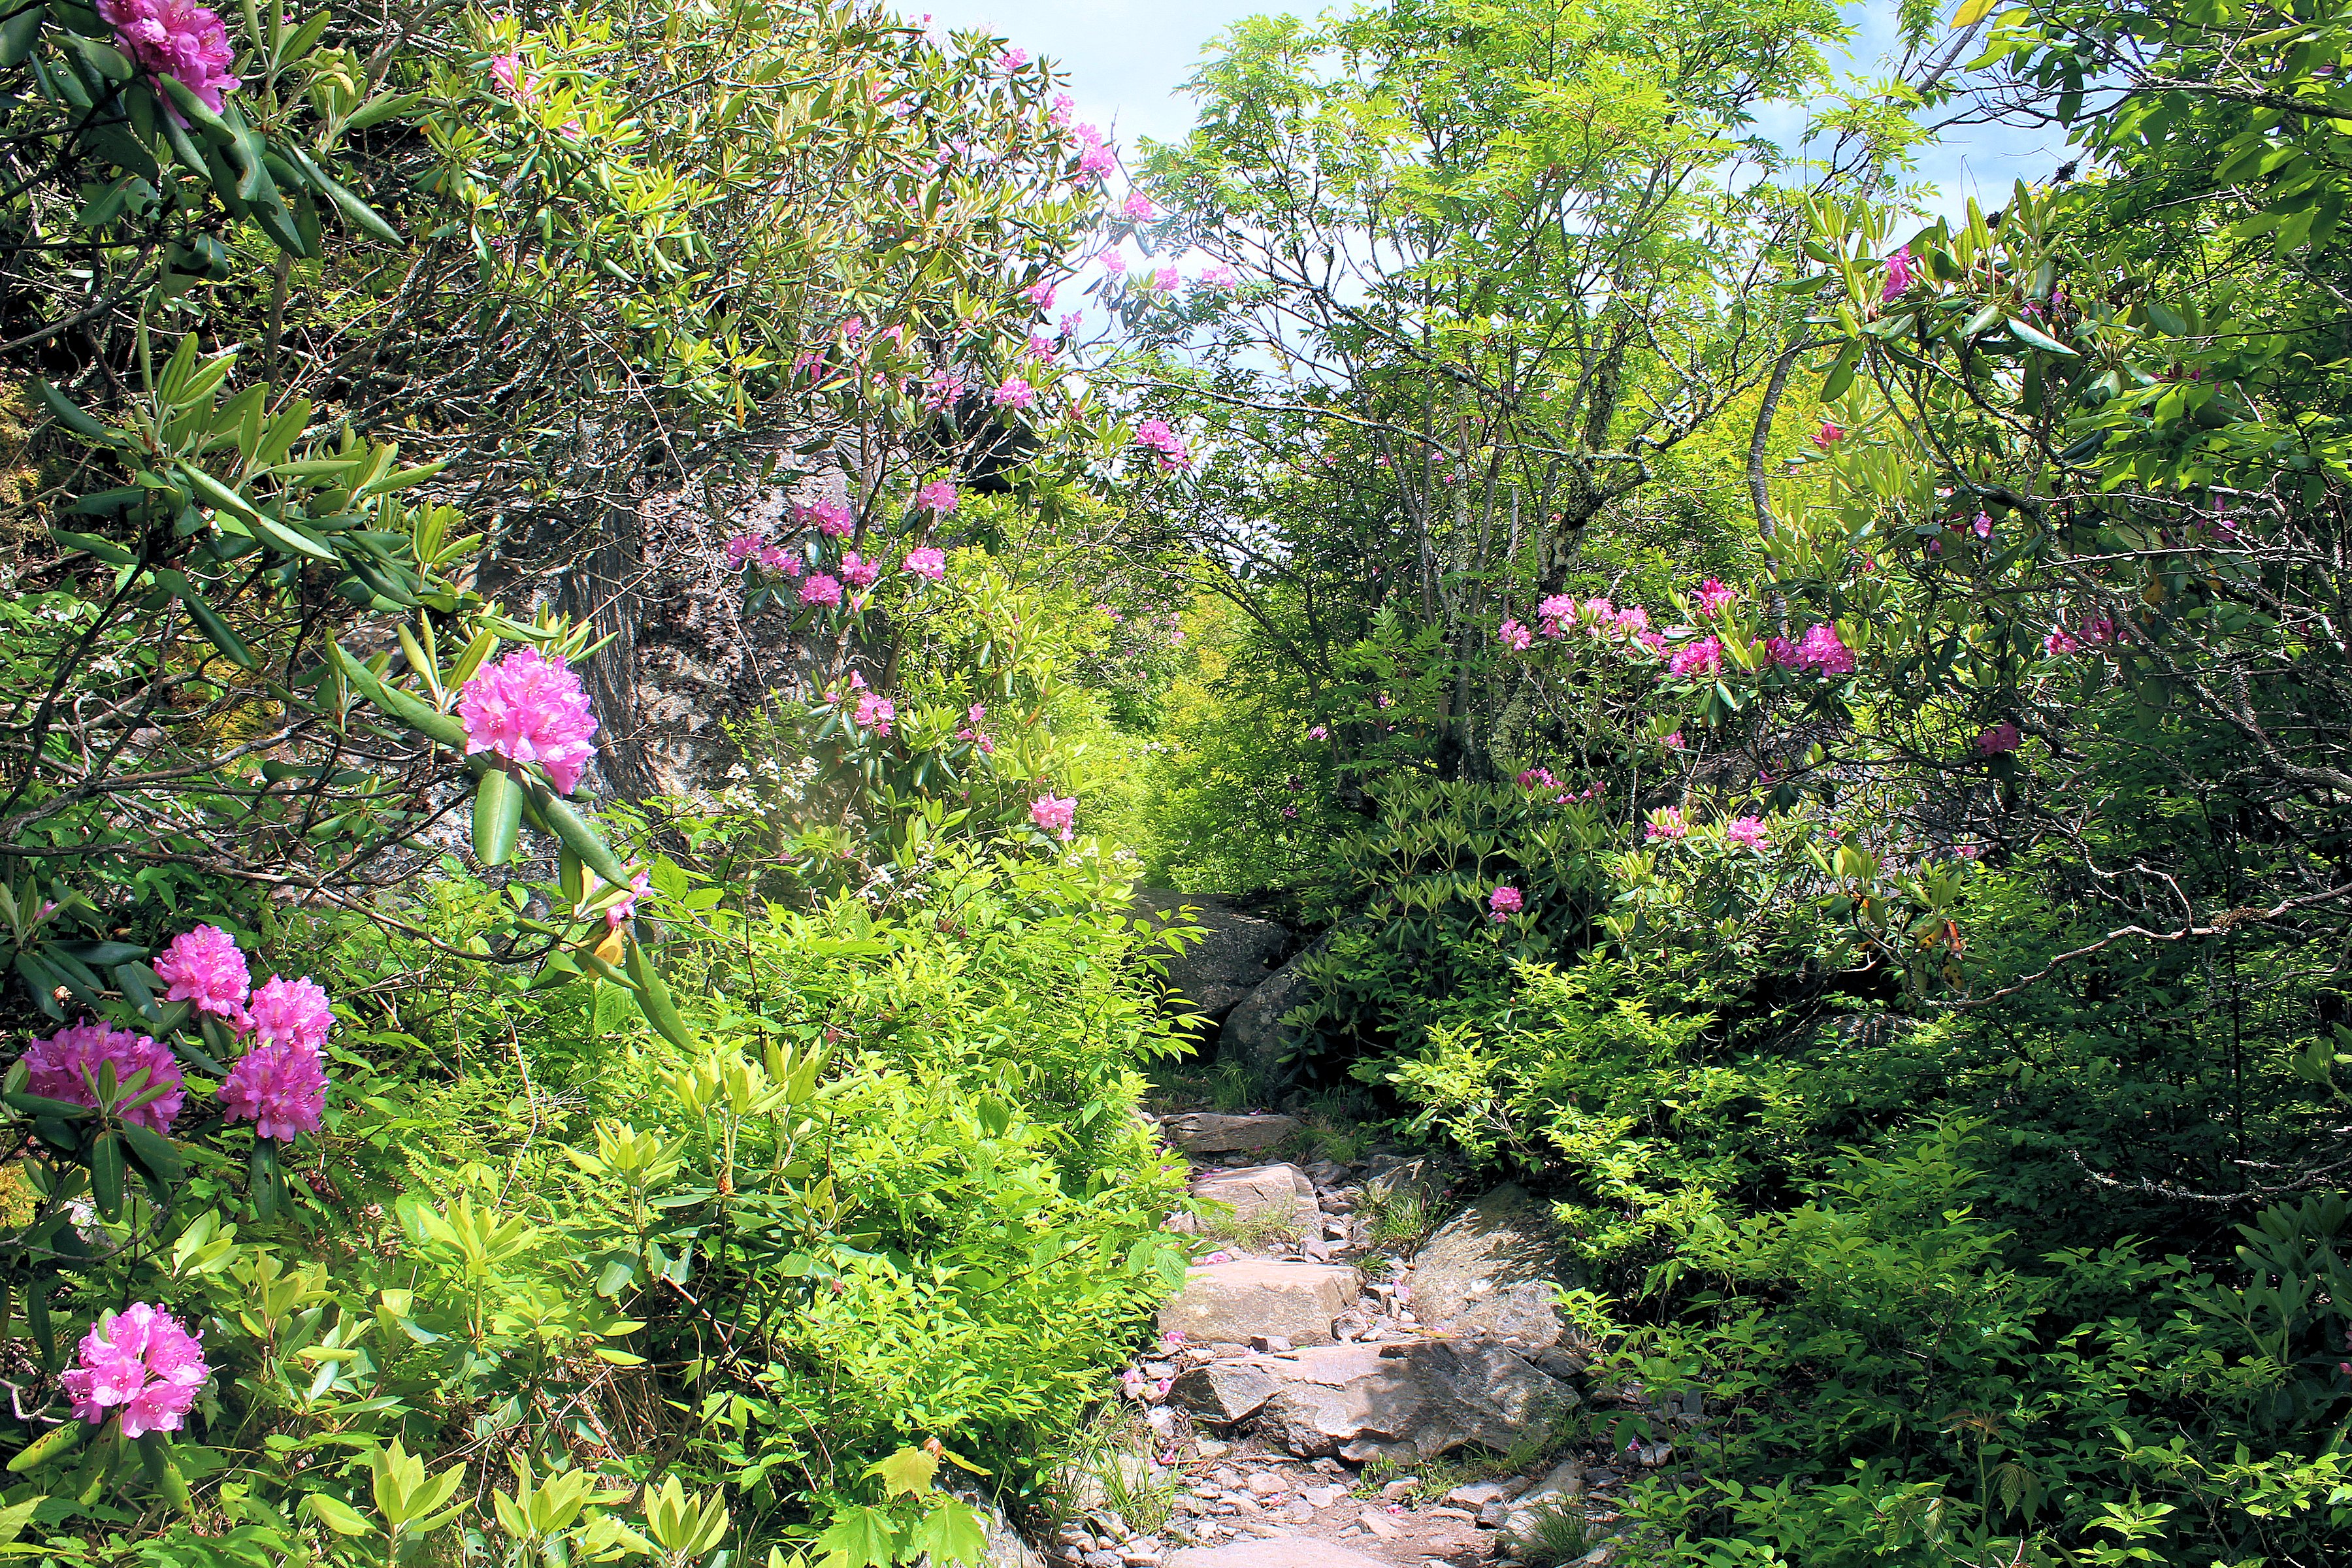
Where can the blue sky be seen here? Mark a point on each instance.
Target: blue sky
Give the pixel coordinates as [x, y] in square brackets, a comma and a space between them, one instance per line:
[1127, 60]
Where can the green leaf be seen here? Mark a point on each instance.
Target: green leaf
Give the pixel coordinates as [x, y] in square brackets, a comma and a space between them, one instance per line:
[654, 999]
[90, 544]
[498, 818]
[2026, 332]
[1841, 375]
[106, 1174]
[906, 1473]
[336, 1514]
[53, 1445]
[153, 1152]
[1971, 12]
[217, 631]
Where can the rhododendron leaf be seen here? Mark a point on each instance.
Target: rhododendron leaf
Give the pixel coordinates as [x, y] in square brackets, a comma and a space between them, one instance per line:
[336, 1514]
[498, 818]
[153, 1152]
[53, 1445]
[654, 999]
[106, 1174]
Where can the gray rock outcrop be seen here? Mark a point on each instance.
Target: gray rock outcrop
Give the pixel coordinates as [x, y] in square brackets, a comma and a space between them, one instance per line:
[1491, 1271]
[1405, 1401]
[1255, 1032]
[1230, 958]
[1264, 1195]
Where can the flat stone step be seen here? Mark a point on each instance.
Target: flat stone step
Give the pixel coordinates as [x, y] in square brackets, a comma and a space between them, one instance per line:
[1298, 1551]
[1232, 1303]
[1210, 1132]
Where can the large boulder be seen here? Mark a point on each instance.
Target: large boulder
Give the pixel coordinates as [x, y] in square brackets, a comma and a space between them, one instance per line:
[1264, 1195]
[1208, 1132]
[1230, 1303]
[1490, 1271]
[1234, 955]
[1253, 1032]
[1406, 1401]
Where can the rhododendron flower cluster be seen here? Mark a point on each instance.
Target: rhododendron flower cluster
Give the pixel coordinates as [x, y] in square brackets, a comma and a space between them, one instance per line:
[1820, 649]
[179, 39]
[281, 1089]
[292, 1013]
[1537, 778]
[1014, 393]
[1504, 902]
[1748, 831]
[1515, 637]
[1902, 271]
[1713, 595]
[2000, 738]
[67, 1066]
[1667, 825]
[1140, 208]
[1097, 156]
[1219, 276]
[858, 573]
[2094, 632]
[1055, 815]
[742, 548]
[1114, 261]
[1319, 733]
[774, 558]
[1156, 436]
[1828, 435]
[938, 497]
[141, 1362]
[1040, 293]
[527, 707]
[821, 589]
[926, 561]
[830, 518]
[876, 714]
[206, 968]
[1704, 657]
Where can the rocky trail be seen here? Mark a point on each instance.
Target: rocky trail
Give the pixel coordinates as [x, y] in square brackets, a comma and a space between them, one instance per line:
[1333, 1389]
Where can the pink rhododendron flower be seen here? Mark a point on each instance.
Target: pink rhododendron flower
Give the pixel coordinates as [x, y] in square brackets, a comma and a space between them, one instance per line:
[1319, 733]
[68, 1065]
[821, 589]
[204, 967]
[2099, 631]
[1041, 350]
[1632, 621]
[926, 563]
[742, 548]
[140, 1361]
[1514, 636]
[1781, 651]
[1704, 657]
[1713, 595]
[1504, 902]
[774, 558]
[281, 1089]
[1555, 611]
[857, 573]
[1382, 700]
[1014, 393]
[1070, 323]
[1219, 276]
[1828, 435]
[624, 906]
[1901, 271]
[506, 70]
[1063, 104]
[1668, 824]
[1748, 831]
[1821, 648]
[1039, 294]
[830, 518]
[1012, 60]
[1673, 742]
[1537, 778]
[853, 328]
[179, 39]
[1053, 815]
[1167, 280]
[2003, 737]
[2060, 641]
[527, 707]
[876, 714]
[1097, 157]
[1114, 261]
[1140, 208]
[292, 1013]
[1156, 436]
[939, 496]
[1984, 525]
